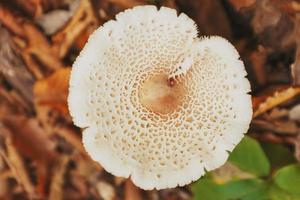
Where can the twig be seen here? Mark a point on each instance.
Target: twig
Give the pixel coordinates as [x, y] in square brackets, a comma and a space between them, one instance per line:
[35, 46]
[262, 125]
[15, 163]
[277, 99]
[57, 181]
[83, 18]
[270, 137]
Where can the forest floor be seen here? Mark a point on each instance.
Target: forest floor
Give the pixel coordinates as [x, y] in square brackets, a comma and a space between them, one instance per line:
[41, 154]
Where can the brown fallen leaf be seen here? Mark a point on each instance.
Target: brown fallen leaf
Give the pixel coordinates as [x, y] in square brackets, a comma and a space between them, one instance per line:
[277, 99]
[53, 91]
[278, 127]
[70, 136]
[273, 27]
[128, 3]
[295, 67]
[238, 4]
[273, 138]
[4, 189]
[131, 191]
[35, 47]
[83, 18]
[277, 113]
[10, 21]
[31, 140]
[292, 7]
[79, 183]
[266, 15]
[170, 4]
[34, 8]
[87, 168]
[258, 59]
[207, 13]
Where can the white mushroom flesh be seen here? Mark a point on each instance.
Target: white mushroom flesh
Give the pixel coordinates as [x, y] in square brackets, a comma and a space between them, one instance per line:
[136, 123]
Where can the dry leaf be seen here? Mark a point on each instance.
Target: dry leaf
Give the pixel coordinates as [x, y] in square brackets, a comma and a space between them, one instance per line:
[295, 67]
[106, 191]
[13, 68]
[277, 99]
[277, 113]
[83, 18]
[266, 15]
[128, 3]
[31, 141]
[238, 4]
[258, 59]
[131, 191]
[229, 172]
[30, 138]
[16, 164]
[58, 179]
[278, 127]
[36, 49]
[207, 13]
[53, 91]
[34, 8]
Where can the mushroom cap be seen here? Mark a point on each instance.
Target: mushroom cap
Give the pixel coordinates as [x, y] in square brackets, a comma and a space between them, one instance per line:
[135, 123]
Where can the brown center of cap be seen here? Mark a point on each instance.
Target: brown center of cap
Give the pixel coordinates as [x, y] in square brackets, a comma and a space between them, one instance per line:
[160, 96]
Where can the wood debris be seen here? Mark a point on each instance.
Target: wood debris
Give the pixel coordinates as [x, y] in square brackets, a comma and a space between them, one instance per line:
[83, 19]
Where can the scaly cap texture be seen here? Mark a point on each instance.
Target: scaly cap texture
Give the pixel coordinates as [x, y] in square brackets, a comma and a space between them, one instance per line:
[137, 124]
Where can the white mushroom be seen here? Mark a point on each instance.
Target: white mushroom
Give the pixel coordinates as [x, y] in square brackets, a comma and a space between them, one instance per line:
[138, 124]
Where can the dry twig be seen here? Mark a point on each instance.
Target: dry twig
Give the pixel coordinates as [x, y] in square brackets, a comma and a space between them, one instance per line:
[84, 17]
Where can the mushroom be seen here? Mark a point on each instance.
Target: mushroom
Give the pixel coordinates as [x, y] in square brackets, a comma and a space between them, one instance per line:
[157, 103]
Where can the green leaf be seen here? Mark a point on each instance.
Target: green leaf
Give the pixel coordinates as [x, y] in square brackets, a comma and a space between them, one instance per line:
[278, 155]
[288, 178]
[248, 189]
[276, 193]
[206, 189]
[250, 157]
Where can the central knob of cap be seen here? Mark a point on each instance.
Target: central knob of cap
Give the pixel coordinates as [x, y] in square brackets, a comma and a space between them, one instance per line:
[158, 95]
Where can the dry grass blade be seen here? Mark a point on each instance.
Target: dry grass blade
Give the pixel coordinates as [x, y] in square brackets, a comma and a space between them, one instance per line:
[53, 91]
[16, 164]
[56, 187]
[35, 47]
[71, 137]
[277, 99]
